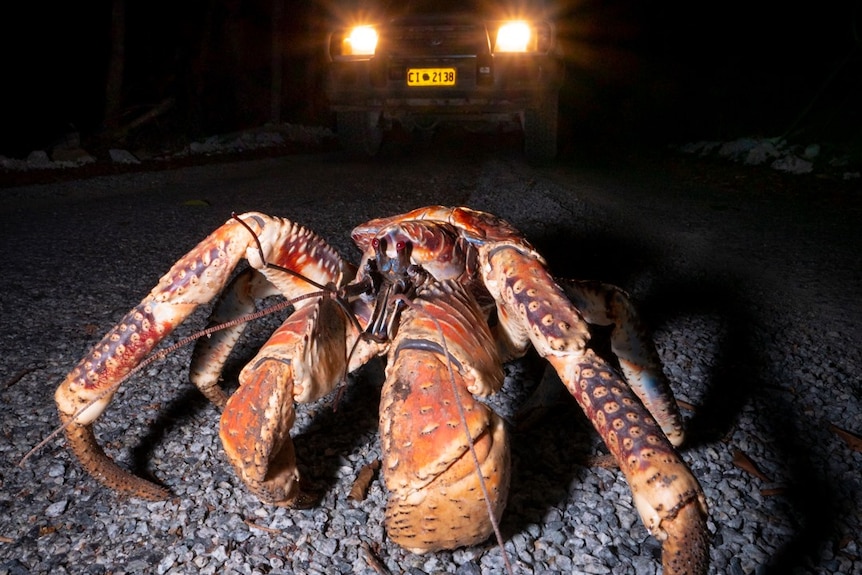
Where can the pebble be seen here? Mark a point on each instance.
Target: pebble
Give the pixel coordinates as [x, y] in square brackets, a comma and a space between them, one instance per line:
[56, 509]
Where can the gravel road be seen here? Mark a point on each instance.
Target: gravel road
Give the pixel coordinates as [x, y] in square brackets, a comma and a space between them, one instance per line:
[751, 281]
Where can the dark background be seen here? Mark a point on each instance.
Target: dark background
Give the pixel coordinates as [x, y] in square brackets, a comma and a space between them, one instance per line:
[639, 72]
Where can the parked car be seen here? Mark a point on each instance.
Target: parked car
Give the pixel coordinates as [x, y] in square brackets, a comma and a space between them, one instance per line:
[419, 62]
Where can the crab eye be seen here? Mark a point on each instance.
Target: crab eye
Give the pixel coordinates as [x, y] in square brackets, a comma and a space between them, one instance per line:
[375, 243]
[399, 246]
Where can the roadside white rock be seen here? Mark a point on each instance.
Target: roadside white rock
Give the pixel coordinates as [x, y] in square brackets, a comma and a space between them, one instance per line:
[39, 159]
[122, 157]
[69, 153]
[775, 152]
[793, 164]
[71, 157]
[764, 151]
[738, 149]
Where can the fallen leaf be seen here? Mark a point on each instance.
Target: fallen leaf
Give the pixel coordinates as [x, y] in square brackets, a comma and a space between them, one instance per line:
[853, 440]
[742, 461]
[686, 405]
[603, 461]
[844, 542]
[363, 481]
[773, 491]
[18, 376]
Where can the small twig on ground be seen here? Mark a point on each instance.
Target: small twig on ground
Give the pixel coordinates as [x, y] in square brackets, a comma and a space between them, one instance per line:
[254, 525]
[686, 405]
[851, 439]
[373, 560]
[19, 375]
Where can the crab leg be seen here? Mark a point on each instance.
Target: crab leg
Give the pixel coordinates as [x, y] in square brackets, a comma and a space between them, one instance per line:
[666, 494]
[441, 356]
[211, 353]
[195, 279]
[605, 304]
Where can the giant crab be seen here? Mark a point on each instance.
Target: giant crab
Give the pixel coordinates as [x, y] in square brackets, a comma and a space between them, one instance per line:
[448, 295]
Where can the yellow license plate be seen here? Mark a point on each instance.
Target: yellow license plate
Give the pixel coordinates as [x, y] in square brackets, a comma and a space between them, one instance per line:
[431, 76]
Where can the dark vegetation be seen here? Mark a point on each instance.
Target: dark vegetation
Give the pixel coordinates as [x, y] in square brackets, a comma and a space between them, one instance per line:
[125, 73]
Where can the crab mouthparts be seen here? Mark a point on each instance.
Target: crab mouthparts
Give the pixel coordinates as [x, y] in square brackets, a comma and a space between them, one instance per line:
[398, 280]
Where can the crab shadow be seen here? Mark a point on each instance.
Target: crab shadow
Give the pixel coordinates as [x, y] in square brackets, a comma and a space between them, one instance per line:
[551, 451]
[740, 376]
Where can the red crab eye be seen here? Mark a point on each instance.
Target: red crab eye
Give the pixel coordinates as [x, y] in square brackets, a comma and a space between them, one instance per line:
[375, 243]
[400, 246]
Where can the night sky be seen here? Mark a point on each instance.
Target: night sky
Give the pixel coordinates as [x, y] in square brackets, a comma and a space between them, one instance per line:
[637, 71]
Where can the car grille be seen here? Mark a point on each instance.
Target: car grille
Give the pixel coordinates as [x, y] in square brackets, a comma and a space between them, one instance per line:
[436, 40]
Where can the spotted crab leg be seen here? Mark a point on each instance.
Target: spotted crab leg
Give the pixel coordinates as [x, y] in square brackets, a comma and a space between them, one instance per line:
[195, 279]
[532, 307]
[608, 305]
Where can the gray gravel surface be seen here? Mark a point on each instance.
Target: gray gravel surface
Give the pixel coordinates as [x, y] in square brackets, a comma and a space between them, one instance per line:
[752, 284]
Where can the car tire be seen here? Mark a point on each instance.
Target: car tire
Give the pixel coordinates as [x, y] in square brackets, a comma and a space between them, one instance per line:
[359, 133]
[540, 129]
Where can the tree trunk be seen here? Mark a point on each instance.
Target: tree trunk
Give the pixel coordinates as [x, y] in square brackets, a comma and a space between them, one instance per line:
[276, 65]
[116, 66]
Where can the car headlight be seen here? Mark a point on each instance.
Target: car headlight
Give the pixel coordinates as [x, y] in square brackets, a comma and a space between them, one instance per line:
[521, 36]
[360, 41]
[513, 37]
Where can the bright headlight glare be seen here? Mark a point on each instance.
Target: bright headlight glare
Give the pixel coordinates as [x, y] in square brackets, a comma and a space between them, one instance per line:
[513, 37]
[360, 41]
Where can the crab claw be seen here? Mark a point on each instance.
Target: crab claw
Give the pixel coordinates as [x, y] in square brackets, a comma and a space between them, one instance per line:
[303, 360]
[431, 426]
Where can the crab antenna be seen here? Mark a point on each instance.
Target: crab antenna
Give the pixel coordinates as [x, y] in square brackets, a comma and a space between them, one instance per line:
[275, 266]
[340, 297]
[361, 335]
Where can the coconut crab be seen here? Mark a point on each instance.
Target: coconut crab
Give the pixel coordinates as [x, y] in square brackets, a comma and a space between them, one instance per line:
[448, 295]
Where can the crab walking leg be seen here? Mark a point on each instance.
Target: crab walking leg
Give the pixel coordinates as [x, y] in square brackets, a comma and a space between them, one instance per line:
[211, 353]
[666, 494]
[605, 304]
[442, 354]
[195, 279]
